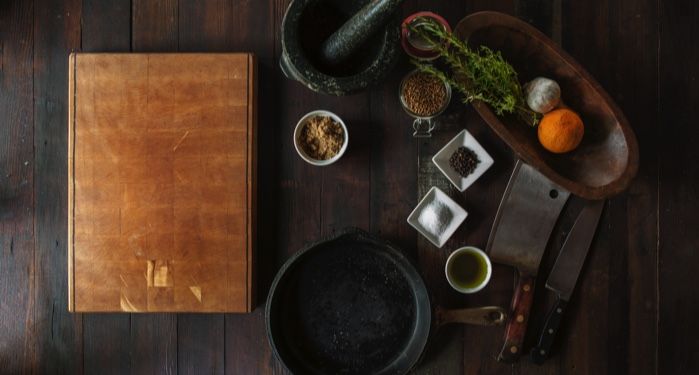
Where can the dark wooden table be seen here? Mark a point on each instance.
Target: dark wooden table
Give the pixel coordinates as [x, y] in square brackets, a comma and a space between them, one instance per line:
[633, 312]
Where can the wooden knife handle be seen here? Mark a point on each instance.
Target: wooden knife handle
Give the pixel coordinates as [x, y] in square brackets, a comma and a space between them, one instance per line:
[539, 354]
[517, 321]
[482, 316]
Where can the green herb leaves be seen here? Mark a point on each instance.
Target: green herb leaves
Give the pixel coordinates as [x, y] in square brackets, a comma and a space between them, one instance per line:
[479, 74]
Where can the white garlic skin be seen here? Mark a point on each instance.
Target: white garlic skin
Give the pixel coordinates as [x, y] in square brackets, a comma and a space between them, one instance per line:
[542, 94]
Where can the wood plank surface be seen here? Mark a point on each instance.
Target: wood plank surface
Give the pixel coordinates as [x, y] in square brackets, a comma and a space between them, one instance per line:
[634, 305]
[17, 316]
[676, 139]
[620, 279]
[250, 26]
[59, 338]
[152, 345]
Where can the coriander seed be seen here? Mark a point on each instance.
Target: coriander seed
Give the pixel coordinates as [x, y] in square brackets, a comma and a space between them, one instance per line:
[423, 94]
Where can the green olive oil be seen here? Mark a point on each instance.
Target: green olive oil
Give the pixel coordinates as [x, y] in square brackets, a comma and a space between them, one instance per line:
[468, 270]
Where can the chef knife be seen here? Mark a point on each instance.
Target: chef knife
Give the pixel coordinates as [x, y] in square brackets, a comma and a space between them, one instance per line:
[527, 214]
[564, 274]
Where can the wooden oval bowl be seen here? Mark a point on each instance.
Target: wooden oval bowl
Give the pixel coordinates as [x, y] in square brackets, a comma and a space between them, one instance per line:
[607, 159]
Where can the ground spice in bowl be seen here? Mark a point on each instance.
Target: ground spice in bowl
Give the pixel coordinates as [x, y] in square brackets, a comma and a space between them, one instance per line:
[321, 137]
[464, 161]
[423, 94]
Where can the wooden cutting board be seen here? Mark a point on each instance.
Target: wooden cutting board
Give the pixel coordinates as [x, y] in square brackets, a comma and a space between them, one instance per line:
[161, 182]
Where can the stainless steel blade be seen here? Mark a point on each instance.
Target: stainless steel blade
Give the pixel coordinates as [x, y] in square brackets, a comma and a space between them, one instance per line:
[566, 270]
[528, 211]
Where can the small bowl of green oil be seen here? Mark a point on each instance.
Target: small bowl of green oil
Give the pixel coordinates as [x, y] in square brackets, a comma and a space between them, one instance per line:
[468, 269]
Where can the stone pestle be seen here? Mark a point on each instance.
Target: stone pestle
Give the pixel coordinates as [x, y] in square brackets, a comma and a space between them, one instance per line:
[348, 38]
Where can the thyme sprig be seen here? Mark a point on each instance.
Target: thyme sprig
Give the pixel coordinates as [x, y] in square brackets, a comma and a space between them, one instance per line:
[478, 74]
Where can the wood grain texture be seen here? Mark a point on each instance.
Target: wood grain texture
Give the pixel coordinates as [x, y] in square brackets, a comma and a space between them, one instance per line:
[162, 190]
[106, 26]
[104, 351]
[678, 197]
[154, 25]
[614, 305]
[153, 343]
[59, 340]
[633, 306]
[17, 316]
[200, 348]
[239, 25]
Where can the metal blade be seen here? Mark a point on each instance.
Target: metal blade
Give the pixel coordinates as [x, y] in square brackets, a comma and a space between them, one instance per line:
[570, 260]
[528, 211]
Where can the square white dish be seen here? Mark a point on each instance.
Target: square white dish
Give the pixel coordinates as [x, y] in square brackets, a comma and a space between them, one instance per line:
[441, 160]
[442, 201]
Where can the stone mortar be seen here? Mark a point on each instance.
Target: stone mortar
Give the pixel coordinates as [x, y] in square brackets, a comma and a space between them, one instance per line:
[308, 23]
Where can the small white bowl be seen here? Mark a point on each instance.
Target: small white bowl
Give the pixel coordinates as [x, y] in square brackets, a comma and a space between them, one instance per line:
[297, 134]
[441, 160]
[479, 253]
[458, 215]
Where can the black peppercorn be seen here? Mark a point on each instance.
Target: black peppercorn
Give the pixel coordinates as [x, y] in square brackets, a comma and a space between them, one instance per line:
[464, 161]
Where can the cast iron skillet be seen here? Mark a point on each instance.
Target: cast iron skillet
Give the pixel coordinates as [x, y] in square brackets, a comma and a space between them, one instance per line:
[354, 304]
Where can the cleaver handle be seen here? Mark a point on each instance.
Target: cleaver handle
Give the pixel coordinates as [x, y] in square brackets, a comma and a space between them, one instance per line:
[517, 320]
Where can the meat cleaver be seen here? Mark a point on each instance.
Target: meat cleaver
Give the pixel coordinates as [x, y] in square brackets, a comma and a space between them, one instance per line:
[527, 214]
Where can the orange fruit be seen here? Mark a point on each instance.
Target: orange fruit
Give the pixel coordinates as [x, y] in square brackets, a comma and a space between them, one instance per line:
[561, 131]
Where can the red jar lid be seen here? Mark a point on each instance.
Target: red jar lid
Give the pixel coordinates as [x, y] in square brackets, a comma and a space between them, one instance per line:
[413, 47]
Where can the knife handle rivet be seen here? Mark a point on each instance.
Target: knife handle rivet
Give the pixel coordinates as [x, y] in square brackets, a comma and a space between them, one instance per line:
[550, 331]
[526, 287]
[513, 349]
[520, 318]
[559, 310]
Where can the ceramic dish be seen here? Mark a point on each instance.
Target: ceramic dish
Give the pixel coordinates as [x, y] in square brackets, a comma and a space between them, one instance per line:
[299, 128]
[450, 210]
[441, 160]
[453, 261]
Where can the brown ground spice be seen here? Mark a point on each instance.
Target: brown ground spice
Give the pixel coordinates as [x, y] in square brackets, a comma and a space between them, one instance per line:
[322, 137]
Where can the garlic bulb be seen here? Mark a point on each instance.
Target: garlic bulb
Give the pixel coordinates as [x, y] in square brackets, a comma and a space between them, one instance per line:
[542, 94]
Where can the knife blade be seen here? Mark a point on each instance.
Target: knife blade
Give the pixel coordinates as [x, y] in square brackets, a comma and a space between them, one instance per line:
[527, 214]
[565, 272]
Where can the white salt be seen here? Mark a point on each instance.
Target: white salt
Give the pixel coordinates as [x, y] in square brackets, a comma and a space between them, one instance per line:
[435, 218]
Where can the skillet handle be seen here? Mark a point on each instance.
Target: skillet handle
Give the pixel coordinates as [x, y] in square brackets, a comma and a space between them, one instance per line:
[483, 316]
[517, 323]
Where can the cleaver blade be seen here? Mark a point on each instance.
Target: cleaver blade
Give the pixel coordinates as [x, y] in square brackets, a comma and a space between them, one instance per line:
[527, 214]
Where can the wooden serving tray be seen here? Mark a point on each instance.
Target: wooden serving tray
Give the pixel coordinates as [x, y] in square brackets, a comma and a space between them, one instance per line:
[607, 159]
[161, 182]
